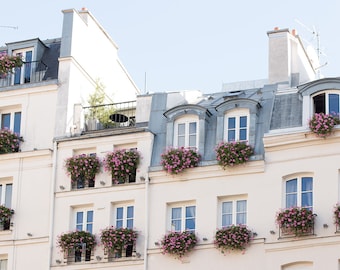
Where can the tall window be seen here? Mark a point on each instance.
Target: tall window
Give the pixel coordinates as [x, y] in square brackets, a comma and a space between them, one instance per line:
[124, 217]
[299, 192]
[183, 218]
[237, 125]
[84, 220]
[11, 120]
[3, 264]
[6, 194]
[234, 212]
[186, 132]
[23, 74]
[327, 102]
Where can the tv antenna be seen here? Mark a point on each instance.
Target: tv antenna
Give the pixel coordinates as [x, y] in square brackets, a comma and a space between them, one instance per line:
[317, 47]
[9, 26]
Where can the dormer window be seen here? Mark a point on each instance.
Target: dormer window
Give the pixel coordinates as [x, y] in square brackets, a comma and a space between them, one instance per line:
[237, 125]
[186, 129]
[23, 74]
[326, 102]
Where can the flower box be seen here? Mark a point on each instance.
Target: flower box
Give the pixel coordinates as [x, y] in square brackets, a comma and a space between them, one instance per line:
[175, 160]
[8, 63]
[5, 217]
[295, 221]
[322, 124]
[9, 141]
[234, 237]
[233, 153]
[123, 165]
[178, 244]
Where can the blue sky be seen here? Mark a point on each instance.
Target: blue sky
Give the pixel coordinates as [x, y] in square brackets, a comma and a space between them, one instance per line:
[188, 44]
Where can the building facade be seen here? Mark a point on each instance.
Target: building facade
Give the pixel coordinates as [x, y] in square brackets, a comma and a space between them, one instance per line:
[98, 167]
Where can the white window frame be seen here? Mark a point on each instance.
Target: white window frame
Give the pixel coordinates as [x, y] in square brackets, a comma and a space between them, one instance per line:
[183, 218]
[11, 112]
[234, 200]
[186, 120]
[4, 195]
[125, 218]
[298, 191]
[3, 263]
[327, 93]
[84, 223]
[23, 53]
[237, 114]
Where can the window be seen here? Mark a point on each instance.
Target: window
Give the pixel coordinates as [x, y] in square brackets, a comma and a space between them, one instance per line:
[183, 218]
[84, 220]
[6, 200]
[124, 217]
[23, 74]
[237, 125]
[11, 120]
[234, 212]
[327, 102]
[186, 132]
[3, 264]
[299, 192]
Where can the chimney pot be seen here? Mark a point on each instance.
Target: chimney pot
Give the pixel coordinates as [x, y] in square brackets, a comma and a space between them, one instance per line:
[276, 28]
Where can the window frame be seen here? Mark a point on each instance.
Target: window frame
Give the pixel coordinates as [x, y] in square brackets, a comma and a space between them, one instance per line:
[25, 71]
[125, 218]
[85, 222]
[326, 104]
[237, 114]
[14, 123]
[299, 191]
[234, 213]
[186, 120]
[183, 217]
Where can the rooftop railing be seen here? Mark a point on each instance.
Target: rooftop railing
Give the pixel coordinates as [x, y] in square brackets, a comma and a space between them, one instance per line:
[114, 115]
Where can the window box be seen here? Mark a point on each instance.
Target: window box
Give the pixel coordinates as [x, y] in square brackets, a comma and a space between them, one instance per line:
[82, 169]
[233, 153]
[234, 237]
[322, 124]
[5, 217]
[175, 160]
[296, 221]
[178, 244]
[9, 141]
[123, 165]
[8, 63]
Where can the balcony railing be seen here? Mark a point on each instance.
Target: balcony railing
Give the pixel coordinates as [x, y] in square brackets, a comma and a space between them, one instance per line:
[115, 115]
[29, 72]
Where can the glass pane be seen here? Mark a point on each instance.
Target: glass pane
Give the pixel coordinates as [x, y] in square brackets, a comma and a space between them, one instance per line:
[231, 135]
[28, 66]
[192, 127]
[190, 224]
[119, 213]
[231, 122]
[307, 199]
[17, 122]
[181, 141]
[130, 212]
[89, 227]
[241, 218]
[5, 120]
[17, 75]
[227, 220]
[319, 103]
[291, 186]
[190, 211]
[176, 213]
[307, 183]
[181, 129]
[227, 207]
[119, 223]
[8, 196]
[176, 219]
[176, 225]
[80, 216]
[291, 200]
[333, 106]
[243, 121]
[243, 134]
[89, 218]
[129, 223]
[241, 206]
[192, 141]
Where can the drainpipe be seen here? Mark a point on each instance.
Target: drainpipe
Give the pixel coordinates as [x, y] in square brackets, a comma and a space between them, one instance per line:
[146, 243]
[52, 201]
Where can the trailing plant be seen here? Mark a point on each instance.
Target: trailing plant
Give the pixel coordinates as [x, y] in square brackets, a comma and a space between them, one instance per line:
[117, 239]
[121, 163]
[5, 214]
[75, 240]
[234, 237]
[175, 160]
[322, 124]
[82, 167]
[295, 220]
[336, 215]
[8, 62]
[178, 244]
[233, 153]
[9, 141]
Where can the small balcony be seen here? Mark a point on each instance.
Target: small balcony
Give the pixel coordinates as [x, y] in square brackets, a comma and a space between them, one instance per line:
[29, 72]
[107, 116]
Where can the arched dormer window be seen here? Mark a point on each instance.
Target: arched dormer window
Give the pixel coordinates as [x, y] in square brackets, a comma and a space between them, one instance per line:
[236, 120]
[186, 126]
[327, 102]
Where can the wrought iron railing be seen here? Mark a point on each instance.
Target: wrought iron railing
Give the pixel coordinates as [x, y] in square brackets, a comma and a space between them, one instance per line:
[29, 72]
[114, 115]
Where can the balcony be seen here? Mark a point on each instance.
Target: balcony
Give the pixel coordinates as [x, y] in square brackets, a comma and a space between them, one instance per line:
[107, 116]
[29, 72]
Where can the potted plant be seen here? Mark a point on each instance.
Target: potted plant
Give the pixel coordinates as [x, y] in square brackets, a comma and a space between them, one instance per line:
[9, 141]
[122, 164]
[233, 153]
[8, 62]
[82, 169]
[175, 160]
[75, 243]
[178, 244]
[234, 237]
[296, 221]
[5, 217]
[322, 124]
[115, 240]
